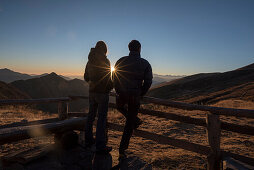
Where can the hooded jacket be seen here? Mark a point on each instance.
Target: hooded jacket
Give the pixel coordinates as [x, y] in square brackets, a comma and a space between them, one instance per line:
[97, 72]
[133, 75]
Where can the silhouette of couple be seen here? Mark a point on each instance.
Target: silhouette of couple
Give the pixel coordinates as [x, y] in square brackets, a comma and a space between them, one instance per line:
[131, 79]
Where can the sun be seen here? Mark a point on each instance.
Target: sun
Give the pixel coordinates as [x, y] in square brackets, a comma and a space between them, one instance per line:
[112, 69]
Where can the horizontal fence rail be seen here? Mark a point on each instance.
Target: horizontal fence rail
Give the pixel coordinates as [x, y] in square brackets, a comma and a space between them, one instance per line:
[247, 113]
[26, 123]
[215, 110]
[184, 144]
[33, 101]
[13, 134]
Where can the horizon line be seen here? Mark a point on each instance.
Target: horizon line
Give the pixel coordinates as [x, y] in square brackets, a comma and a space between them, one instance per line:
[78, 75]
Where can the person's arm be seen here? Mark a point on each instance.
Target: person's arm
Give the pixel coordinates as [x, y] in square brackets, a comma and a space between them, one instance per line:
[116, 77]
[110, 81]
[148, 77]
[86, 75]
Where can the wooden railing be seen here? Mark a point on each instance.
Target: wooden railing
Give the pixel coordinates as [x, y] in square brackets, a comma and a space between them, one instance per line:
[22, 130]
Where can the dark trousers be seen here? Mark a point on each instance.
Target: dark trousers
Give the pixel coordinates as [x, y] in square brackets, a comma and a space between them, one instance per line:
[97, 102]
[130, 112]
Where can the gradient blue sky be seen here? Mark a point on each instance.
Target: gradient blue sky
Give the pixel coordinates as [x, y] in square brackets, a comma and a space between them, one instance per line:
[179, 37]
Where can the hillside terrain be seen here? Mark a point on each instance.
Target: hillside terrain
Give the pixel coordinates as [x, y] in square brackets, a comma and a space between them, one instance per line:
[50, 86]
[53, 86]
[207, 88]
[8, 76]
[8, 91]
[158, 79]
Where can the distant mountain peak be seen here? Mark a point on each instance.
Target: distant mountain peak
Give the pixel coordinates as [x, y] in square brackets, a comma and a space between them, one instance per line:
[53, 74]
[56, 76]
[6, 70]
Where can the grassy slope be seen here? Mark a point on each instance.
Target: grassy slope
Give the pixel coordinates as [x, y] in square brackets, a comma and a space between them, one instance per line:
[209, 87]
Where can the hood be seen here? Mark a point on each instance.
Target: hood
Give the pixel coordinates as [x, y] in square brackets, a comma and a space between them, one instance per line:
[96, 55]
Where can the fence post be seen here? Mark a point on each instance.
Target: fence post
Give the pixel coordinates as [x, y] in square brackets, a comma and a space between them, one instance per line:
[62, 110]
[62, 114]
[214, 133]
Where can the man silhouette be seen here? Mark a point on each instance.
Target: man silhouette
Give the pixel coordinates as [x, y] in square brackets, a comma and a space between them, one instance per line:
[132, 79]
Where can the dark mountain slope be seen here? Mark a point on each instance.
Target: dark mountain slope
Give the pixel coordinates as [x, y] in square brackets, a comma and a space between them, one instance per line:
[50, 86]
[53, 86]
[8, 91]
[248, 67]
[201, 87]
[8, 76]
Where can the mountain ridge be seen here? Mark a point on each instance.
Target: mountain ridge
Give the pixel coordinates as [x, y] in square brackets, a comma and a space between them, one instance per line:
[53, 86]
[204, 88]
[200, 88]
[8, 76]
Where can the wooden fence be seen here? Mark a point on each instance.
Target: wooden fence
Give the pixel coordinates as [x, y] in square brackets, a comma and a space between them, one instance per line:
[76, 120]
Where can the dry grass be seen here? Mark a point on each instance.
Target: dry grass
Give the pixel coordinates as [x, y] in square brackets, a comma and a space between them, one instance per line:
[237, 104]
[13, 114]
[160, 156]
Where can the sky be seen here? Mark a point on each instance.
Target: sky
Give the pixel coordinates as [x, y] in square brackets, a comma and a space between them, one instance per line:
[178, 37]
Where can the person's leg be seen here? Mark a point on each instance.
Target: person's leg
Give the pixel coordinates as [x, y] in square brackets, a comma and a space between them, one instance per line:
[102, 100]
[120, 103]
[133, 106]
[93, 106]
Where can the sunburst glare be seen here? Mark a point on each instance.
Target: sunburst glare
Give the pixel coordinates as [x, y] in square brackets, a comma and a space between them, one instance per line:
[112, 69]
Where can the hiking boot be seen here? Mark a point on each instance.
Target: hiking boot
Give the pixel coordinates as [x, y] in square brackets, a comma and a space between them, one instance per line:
[138, 123]
[104, 151]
